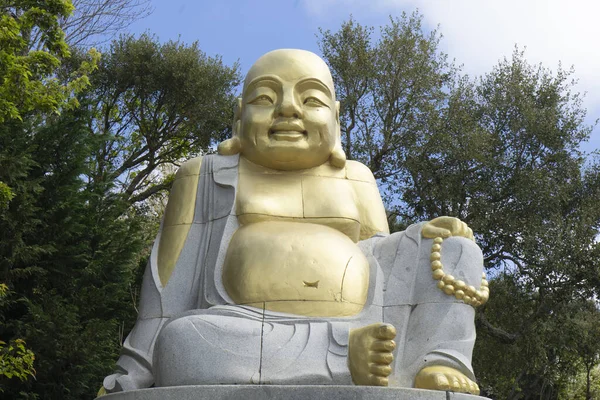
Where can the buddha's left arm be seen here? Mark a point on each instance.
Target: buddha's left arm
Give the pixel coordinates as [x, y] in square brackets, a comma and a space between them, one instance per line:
[372, 213]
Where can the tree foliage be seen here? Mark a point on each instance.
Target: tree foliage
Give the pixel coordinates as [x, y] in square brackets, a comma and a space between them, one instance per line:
[71, 245]
[94, 22]
[27, 80]
[501, 152]
[389, 90]
[155, 104]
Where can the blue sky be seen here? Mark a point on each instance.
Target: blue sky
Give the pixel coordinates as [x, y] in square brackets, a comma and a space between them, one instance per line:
[476, 33]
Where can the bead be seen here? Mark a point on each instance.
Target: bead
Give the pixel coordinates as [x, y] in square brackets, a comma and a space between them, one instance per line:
[484, 283]
[448, 279]
[448, 289]
[483, 275]
[484, 289]
[467, 299]
[435, 256]
[471, 291]
[438, 274]
[441, 284]
[459, 294]
[478, 295]
[438, 240]
[436, 265]
[460, 285]
[436, 247]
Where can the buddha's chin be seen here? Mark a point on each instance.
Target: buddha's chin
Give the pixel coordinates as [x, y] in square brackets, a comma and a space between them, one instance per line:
[289, 155]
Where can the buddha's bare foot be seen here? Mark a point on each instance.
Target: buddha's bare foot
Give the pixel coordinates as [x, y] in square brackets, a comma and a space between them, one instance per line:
[445, 378]
[370, 354]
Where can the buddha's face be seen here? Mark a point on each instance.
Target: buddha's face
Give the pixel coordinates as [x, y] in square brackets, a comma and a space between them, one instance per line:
[288, 117]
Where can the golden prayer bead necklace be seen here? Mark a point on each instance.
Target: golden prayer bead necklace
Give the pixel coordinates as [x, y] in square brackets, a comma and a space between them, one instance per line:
[455, 287]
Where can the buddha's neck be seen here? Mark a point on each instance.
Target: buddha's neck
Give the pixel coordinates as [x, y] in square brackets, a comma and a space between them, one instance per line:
[325, 170]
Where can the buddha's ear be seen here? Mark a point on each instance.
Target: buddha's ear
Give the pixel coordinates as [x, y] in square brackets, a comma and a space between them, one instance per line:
[337, 122]
[233, 146]
[338, 157]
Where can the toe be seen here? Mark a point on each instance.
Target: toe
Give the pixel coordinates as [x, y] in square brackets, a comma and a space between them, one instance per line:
[383, 345]
[441, 382]
[464, 385]
[378, 380]
[381, 358]
[380, 370]
[385, 331]
[454, 383]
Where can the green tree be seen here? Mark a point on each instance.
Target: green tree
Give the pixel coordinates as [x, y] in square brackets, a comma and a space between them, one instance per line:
[72, 247]
[27, 77]
[16, 361]
[500, 152]
[390, 90]
[154, 105]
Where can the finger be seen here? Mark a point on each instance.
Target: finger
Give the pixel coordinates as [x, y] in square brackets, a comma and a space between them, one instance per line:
[383, 345]
[441, 382]
[431, 232]
[465, 230]
[381, 358]
[457, 227]
[385, 331]
[380, 370]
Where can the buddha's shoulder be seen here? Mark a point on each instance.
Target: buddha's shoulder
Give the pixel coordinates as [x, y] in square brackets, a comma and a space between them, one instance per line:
[357, 171]
[189, 168]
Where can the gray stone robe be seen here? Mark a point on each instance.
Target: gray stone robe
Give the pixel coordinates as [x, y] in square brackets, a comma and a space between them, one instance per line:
[203, 338]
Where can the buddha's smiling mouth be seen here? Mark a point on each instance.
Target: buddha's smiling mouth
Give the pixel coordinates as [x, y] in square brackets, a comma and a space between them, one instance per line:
[287, 135]
[287, 131]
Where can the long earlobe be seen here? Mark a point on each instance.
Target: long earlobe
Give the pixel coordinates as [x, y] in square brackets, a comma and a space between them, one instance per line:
[338, 157]
[230, 147]
[233, 146]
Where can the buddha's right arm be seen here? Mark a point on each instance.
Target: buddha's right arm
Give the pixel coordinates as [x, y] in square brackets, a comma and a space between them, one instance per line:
[135, 364]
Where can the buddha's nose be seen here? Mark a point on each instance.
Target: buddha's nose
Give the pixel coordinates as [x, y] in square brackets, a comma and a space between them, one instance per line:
[289, 107]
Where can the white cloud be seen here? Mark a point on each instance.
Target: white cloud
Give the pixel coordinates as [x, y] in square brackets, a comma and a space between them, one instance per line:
[478, 33]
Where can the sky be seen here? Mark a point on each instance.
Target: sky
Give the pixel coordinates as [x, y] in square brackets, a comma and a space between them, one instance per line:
[476, 33]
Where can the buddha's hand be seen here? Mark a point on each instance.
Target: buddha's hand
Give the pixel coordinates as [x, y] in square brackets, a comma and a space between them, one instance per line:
[445, 227]
[370, 354]
[445, 378]
[120, 382]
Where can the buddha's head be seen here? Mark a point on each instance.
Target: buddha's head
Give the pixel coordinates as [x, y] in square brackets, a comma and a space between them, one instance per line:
[287, 117]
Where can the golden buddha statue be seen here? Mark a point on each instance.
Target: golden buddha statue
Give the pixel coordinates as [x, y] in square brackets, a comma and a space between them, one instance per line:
[274, 263]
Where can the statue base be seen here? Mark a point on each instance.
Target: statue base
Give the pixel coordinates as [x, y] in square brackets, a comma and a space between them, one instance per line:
[288, 392]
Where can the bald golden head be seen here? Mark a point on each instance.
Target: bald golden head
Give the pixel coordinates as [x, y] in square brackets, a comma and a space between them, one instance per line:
[287, 117]
[291, 65]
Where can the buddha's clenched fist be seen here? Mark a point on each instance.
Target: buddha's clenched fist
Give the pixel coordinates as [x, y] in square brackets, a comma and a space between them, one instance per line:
[445, 227]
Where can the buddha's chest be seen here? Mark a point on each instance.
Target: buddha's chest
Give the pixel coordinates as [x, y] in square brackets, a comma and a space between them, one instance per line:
[322, 200]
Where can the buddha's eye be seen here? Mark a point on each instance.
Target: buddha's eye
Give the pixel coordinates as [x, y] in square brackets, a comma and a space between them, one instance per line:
[263, 99]
[314, 102]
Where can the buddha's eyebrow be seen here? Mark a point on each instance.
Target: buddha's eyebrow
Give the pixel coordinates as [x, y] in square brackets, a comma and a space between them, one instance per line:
[272, 79]
[315, 82]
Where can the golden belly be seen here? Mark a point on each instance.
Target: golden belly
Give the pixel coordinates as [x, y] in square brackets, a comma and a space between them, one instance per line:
[294, 267]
